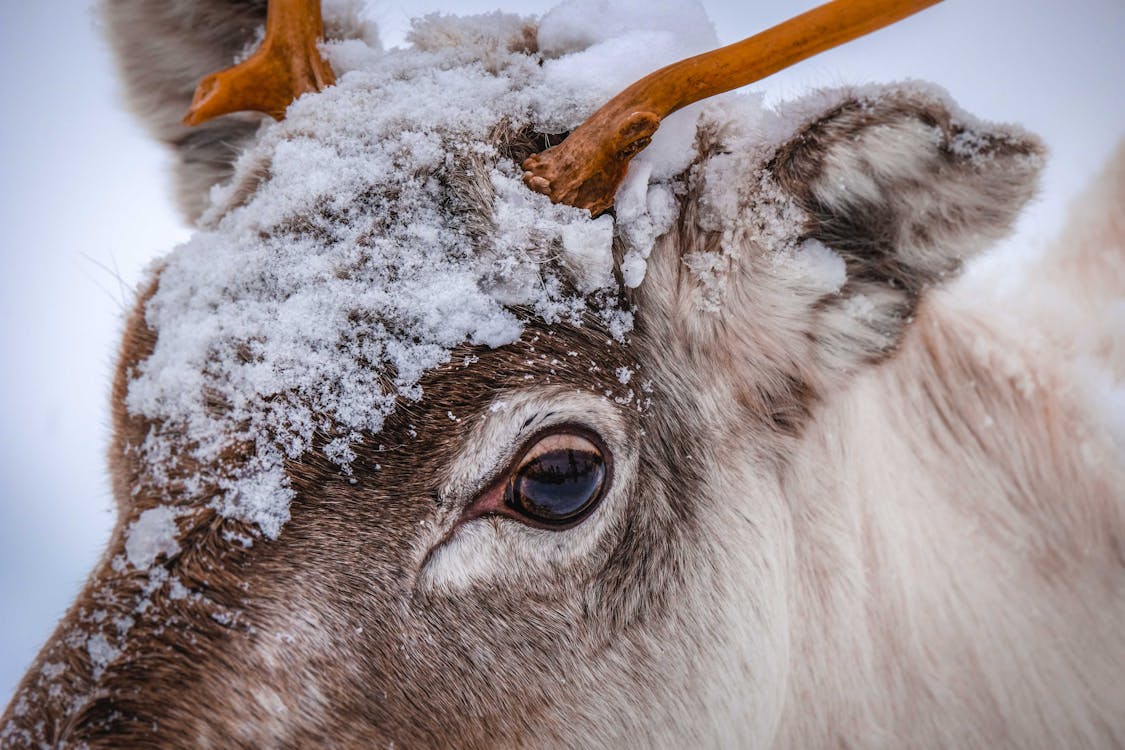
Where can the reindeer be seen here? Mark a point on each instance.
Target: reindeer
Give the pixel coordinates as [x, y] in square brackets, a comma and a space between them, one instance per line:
[784, 491]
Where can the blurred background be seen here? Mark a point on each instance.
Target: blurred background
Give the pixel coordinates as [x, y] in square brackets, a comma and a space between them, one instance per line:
[84, 208]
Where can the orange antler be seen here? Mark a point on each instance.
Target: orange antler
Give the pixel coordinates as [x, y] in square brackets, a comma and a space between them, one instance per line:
[287, 65]
[585, 169]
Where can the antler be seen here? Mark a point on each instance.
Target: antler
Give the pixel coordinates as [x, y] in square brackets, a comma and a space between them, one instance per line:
[287, 65]
[586, 168]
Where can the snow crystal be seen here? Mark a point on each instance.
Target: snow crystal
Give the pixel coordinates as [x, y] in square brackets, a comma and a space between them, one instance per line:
[123, 625]
[576, 25]
[860, 307]
[52, 670]
[153, 533]
[101, 653]
[645, 211]
[176, 589]
[820, 267]
[588, 253]
[624, 375]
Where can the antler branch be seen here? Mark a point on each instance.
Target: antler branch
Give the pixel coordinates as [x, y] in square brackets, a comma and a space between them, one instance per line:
[287, 65]
[585, 169]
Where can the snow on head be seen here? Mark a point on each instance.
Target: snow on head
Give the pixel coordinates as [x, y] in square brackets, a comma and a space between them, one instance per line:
[381, 224]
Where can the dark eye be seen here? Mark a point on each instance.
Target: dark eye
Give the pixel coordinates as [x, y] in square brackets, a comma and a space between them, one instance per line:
[560, 480]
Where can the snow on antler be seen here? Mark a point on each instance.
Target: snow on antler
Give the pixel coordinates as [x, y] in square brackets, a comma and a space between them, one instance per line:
[586, 169]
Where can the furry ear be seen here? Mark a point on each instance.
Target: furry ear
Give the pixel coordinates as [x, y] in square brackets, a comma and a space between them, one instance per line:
[904, 188]
[165, 47]
[793, 265]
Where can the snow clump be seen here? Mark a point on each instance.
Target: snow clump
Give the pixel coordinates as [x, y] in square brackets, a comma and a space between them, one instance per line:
[152, 534]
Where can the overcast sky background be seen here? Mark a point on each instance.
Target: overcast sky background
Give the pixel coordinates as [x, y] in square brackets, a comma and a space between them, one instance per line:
[84, 206]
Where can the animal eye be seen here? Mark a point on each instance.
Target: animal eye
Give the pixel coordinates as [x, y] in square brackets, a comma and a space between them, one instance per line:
[560, 480]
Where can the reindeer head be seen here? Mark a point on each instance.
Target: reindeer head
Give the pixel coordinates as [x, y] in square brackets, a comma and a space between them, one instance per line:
[400, 459]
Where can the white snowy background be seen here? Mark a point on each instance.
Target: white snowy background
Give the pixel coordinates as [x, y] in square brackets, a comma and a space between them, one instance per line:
[84, 207]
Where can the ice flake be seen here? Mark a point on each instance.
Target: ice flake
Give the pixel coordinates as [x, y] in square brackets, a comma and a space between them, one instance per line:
[177, 590]
[860, 307]
[101, 653]
[588, 252]
[152, 534]
[52, 670]
[820, 267]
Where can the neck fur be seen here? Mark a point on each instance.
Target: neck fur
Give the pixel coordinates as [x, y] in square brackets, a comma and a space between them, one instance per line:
[947, 569]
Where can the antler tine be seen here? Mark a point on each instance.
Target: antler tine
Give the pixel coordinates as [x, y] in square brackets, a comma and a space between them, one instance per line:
[287, 65]
[586, 168]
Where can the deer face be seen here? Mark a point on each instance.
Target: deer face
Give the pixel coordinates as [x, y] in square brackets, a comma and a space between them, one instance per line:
[562, 526]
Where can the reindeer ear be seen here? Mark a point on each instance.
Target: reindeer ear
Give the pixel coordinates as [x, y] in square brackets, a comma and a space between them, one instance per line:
[163, 48]
[879, 197]
[904, 188]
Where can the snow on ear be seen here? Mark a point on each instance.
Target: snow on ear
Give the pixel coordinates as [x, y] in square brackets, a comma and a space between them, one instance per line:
[904, 187]
[820, 225]
[164, 47]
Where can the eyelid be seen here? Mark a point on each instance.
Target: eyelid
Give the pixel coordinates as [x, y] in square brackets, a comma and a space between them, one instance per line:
[562, 429]
[552, 442]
